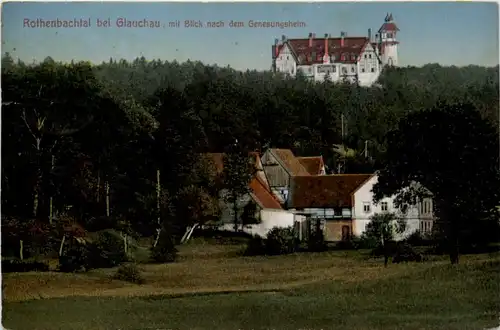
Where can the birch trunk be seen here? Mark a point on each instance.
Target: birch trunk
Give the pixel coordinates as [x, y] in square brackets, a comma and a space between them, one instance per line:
[21, 250]
[106, 187]
[51, 200]
[158, 210]
[38, 179]
[62, 245]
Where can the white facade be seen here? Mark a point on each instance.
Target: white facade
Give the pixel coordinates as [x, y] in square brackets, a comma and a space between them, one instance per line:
[364, 208]
[270, 219]
[365, 70]
[390, 44]
[285, 62]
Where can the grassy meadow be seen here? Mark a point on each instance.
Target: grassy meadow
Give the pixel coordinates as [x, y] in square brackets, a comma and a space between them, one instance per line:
[213, 287]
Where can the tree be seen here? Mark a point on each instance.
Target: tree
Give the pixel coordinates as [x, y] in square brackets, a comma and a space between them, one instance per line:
[381, 229]
[238, 171]
[451, 151]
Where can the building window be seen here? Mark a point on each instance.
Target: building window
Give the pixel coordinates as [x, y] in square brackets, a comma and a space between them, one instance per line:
[366, 207]
[344, 70]
[389, 35]
[373, 69]
[366, 56]
[369, 55]
[352, 69]
[384, 206]
[363, 70]
[288, 57]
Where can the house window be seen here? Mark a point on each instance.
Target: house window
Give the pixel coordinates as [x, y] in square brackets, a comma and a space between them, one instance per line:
[389, 35]
[334, 68]
[384, 206]
[344, 70]
[366, 207]
[366, 56]
[288, 57]
[369, 55]
[352, 69]
[363, 70]
[373, 69]
[329, 213]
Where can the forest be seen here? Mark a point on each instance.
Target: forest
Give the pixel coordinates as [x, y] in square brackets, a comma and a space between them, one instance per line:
[122, 144]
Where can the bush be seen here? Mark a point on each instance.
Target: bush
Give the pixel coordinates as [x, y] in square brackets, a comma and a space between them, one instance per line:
[316, 241]
[404, 253]
[108, 250]
[75, 257]
[18, 266]
[281, 241]
[165, 250]
[418, 239]
[256, 246]
[129, 273]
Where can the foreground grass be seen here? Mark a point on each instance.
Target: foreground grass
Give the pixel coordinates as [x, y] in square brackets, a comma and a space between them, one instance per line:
[306, 291]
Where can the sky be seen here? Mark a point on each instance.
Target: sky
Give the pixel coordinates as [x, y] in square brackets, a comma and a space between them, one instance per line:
[448, 33]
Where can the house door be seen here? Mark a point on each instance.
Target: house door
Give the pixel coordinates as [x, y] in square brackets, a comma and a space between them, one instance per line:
[346, 233]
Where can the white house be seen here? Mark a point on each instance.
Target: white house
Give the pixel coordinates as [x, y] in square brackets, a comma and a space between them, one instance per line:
[349, 59]
[344, 203]
[260, 200]
[417, 217]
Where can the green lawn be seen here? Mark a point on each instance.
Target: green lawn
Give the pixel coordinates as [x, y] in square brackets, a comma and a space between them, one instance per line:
[332, 290]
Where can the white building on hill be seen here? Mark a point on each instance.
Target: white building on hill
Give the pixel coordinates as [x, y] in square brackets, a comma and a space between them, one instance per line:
[338, 59]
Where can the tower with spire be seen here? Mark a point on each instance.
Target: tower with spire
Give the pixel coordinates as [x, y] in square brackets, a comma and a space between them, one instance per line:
[387, 42]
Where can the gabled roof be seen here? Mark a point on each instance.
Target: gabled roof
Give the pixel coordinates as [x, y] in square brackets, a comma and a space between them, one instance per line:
[352, 47]
[289, 161]
[388, 27]
[262, 196]
[325, 191]
[260, 190]
[313, 165]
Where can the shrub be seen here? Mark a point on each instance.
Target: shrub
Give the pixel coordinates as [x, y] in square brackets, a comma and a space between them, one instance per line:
[75, 257]
[281, 241]
[256, 246]
[18, 266]
[404, 252]
[165, 250]
[129, 273]
[316, 241]
[108, 250]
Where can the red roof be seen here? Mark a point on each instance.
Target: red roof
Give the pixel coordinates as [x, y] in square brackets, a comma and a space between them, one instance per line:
[262, 196]
[388, 27]
[325, 191]
[347, 53]
[260, 190]
[313, 165]
[291, 163]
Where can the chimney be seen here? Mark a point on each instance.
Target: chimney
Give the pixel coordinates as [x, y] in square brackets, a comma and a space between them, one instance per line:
[342, 34]
[326, 59]
[310, 40]
[370, 35]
